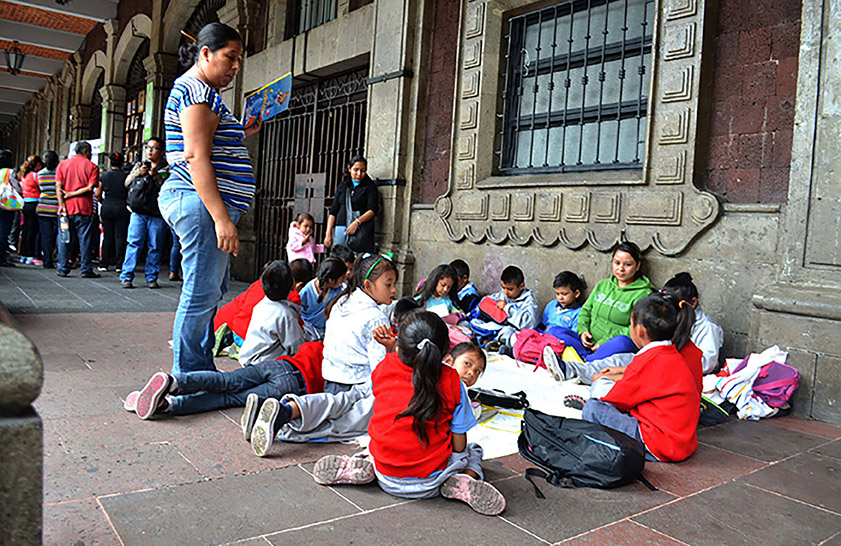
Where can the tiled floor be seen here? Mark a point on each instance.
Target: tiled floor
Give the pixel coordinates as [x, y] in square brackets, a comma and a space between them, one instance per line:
[111, 478]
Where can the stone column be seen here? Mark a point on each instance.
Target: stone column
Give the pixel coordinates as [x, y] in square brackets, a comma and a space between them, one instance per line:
[21, 439]
[114, 118]
[392, 102]
[79, 124]
[162, 69]
[801, 312]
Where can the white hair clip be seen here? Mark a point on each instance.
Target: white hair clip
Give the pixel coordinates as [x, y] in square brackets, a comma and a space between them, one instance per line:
[423, 343]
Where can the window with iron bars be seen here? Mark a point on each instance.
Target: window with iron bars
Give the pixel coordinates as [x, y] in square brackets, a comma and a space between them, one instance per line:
[309, 14]
[576, 87]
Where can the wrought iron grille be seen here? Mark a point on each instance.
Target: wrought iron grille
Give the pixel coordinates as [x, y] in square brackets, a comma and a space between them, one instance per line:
[95, 127]
[322, 129]
[205, 13]
[312, 13]
[576, 87]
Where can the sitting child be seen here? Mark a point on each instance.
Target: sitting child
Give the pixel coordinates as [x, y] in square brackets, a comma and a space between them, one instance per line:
[197, 392]
[421, 415]
[318, 293]
[356, 330]
[274, 329]
[438, 292]
[468, 297]
[706, 334]
[302, 273]
[656, 399]
[520, 305]
[301, 243]
[469, 362]
[562, 312]
[344, 253]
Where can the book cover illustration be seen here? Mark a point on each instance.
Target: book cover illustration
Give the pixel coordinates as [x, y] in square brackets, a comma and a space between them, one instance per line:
[268, 101]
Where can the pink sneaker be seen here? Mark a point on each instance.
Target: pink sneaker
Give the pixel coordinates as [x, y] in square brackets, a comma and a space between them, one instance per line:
[479, 495]
[155, 389]
[341, 469]
[36, 261]
[131, 401]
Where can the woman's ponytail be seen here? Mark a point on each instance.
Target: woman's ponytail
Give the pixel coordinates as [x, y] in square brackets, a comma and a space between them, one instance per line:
[423, 341]
[187, 54]
[214, 36]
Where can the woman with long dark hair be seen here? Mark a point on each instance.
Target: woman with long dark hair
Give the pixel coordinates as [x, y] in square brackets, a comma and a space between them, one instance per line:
[211, 184]
[112, 193]
[353, 210]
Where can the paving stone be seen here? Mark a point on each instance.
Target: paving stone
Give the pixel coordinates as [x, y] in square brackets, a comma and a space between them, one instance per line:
[757, 439]
[223, 510]
[707, 467]
[624, 533]
[431, 521]
[807, 426]
[567, 512]
[734, 514]
[830, 450]
[78, 523]
[803, 477]
[515, 463]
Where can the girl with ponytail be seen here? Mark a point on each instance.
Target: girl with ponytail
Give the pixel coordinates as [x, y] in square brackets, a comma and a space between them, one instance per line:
[706, 334]
[418, 429]
[318, 293]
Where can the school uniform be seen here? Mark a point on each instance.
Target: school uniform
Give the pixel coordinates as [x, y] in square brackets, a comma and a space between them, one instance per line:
[468, 297]
[273, 331]
[523, 312]
[709, 337]
[659, 393]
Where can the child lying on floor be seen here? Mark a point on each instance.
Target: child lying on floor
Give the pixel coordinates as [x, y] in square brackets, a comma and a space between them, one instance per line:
[418, 429]
[656, 399]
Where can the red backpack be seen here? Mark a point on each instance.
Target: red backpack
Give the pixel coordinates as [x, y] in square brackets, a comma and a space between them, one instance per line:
[530, 344]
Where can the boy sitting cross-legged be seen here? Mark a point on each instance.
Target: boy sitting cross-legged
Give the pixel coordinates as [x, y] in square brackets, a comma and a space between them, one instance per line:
[520, 305]
[656, 399]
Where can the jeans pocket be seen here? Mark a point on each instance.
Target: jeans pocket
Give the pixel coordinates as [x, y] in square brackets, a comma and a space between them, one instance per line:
[168, 202]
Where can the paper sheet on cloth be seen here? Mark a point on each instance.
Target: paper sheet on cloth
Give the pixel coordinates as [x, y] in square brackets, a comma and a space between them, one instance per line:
[543, 392]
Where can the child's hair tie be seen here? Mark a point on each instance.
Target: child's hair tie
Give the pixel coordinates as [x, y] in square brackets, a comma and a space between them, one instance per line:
[424, 343]
[188, 36]
[681, 303]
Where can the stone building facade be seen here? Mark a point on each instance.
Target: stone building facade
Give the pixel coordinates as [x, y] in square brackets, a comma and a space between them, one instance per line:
[715, 154]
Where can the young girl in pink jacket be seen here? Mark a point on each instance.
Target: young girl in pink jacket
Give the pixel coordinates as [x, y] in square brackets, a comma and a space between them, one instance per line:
[301, 243]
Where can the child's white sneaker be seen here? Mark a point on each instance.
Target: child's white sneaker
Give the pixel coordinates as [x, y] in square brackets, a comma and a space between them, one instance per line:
[479, 495]
[249, 415]
[552, 364]
[341, 469]
[262, 434]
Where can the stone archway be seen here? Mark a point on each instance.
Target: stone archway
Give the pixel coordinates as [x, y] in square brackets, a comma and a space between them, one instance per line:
[96, 66]
[138, 29]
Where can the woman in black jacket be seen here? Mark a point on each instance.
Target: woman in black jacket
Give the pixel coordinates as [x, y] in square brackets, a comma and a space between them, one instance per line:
[354, 228]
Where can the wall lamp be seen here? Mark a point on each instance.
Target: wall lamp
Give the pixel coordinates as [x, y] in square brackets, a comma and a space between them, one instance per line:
[14, 59]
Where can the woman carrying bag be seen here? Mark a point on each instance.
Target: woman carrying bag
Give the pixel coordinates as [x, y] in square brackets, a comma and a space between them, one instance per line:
[353, 210]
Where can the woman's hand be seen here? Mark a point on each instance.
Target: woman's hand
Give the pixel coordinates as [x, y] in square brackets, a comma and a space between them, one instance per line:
[254, 127]
[587, 340]
[328, 240]
[227, 238]
[352, 227]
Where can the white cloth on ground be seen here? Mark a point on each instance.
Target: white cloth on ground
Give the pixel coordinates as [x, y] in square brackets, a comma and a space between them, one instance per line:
[738, 387]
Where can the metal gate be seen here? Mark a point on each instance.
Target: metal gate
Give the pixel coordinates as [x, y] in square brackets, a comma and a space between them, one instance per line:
[302, 157]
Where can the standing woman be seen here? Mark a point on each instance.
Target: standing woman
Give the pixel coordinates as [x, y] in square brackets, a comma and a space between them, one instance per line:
[354, 227]
[47, 209]
[211, 184]
[30, 192]
[114, 213]
[7, 216]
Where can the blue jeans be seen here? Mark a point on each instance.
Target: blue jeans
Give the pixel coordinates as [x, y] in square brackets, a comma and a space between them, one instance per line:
[605, 413]
[175, 254]
[140, 228]
[614, 345]
[206, 272]
[82, 223]
[49, 233]
[198, 392]
[7, 218]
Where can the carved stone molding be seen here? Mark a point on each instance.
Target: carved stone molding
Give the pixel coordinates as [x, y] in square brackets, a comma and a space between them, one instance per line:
[665, 211]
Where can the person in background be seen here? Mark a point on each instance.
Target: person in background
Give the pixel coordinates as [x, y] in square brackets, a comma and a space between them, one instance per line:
[364, 203]
[47, 208]
[301, 243]
[29, 189]
[76, 178]
[115, 216]
[7, 216]
[468, 296]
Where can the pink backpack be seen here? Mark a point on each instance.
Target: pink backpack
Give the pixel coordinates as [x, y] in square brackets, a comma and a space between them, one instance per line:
[775, 383]
[530, 343]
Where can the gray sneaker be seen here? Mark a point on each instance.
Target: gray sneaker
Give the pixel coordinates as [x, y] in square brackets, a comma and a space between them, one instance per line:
[341, 469]
[126, 284]
[153, 284]
[262, 433]
[249, 415]
[479, 495]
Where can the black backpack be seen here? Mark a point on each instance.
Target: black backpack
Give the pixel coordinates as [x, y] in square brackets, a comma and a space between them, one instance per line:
[143, 196]
[575, 453]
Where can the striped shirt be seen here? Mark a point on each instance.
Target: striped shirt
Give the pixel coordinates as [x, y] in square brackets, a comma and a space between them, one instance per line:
[229, 156]
[48, 203]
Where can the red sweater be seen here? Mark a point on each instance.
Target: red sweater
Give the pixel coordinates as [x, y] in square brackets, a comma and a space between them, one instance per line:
[396, 449]
[308, 361]
[659, 391]
[693, 356]
[237, 313]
